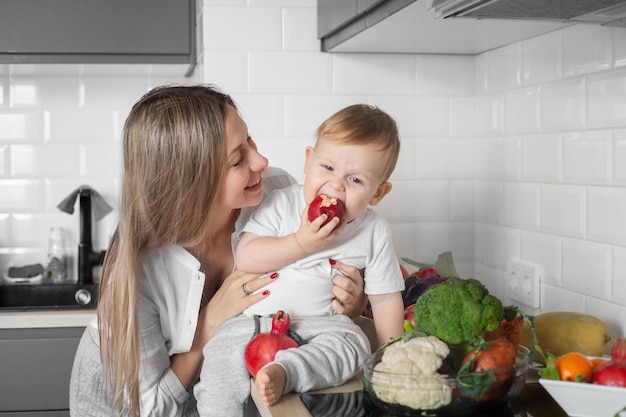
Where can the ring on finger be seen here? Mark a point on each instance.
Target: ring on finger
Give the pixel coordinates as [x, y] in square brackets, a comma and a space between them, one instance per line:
[244, 289]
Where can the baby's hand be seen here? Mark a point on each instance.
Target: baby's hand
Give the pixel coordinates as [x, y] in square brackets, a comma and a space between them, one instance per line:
[315, 235]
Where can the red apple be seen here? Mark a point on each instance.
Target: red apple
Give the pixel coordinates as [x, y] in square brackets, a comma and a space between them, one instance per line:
[323, 204]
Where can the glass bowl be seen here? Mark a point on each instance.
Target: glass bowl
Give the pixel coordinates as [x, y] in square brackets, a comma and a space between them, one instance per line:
[397, 392]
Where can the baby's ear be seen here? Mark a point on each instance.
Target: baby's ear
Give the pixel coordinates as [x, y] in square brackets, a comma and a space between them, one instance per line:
[383, 190]
[307, 154]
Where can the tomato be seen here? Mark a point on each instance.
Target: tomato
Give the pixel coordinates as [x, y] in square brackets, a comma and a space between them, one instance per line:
[595, 362]
[574, 366]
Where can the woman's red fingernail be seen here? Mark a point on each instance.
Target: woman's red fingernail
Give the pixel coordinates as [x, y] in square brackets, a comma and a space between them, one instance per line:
[332, 261]
[266, 292]
[274, 275]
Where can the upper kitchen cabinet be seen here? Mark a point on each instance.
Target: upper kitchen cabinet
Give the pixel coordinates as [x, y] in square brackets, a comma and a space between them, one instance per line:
[98, 32]
[451, 26]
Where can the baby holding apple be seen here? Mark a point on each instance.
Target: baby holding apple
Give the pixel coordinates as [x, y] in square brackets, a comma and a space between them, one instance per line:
[307, 232]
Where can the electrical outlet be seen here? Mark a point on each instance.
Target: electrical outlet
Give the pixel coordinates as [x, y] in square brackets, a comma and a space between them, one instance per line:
[524, 282]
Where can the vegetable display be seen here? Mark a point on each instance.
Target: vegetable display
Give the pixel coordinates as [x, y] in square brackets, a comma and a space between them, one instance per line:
[613, 371]
[262, 348]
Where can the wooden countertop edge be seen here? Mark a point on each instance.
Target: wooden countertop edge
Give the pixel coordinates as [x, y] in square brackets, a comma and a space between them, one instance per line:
[45, 319]
[290, 404]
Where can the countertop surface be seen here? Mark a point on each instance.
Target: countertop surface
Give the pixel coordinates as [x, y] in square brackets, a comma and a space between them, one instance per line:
[46, 318]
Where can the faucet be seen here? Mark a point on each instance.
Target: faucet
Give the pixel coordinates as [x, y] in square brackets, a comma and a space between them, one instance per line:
[87, 258]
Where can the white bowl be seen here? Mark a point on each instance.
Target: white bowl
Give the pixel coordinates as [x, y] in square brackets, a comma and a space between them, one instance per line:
[580, 399]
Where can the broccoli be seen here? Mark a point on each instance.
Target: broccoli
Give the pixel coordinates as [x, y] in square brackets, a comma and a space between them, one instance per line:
[457, 311]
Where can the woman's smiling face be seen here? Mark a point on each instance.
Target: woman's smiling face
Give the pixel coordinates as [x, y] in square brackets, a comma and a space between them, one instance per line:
[352, 173]
[243, 185]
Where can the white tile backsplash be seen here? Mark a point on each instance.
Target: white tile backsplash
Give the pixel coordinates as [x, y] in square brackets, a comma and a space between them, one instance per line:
[519, 152]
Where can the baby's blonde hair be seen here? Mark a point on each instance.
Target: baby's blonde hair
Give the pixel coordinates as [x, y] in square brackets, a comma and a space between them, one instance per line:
[361, 124]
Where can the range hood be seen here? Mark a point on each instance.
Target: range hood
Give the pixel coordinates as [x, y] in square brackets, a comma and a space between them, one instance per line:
[452, 26]
[605, 12]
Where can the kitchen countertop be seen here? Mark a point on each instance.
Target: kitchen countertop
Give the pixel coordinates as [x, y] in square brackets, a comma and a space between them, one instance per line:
[534, 400]
[46, 318]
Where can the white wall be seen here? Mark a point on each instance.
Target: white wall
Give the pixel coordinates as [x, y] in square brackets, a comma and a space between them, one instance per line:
[516, 153]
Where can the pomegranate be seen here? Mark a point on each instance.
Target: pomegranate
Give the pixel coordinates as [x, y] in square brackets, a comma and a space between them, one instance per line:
[262, 348]
[613, 372]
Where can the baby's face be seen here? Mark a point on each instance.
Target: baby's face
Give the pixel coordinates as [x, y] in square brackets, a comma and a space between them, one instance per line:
[352, 173]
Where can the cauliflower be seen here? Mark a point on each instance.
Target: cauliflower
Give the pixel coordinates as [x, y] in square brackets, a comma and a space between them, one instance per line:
[457, 311]
[418, 358]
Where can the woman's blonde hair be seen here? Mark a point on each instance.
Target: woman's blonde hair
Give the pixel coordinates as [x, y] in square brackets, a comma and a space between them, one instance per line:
[361, 124]
[174, 152]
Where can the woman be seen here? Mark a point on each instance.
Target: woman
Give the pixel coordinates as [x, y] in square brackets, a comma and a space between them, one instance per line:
[191, 174]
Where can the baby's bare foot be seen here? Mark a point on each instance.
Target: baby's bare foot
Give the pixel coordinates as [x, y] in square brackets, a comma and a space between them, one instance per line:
[270, 382]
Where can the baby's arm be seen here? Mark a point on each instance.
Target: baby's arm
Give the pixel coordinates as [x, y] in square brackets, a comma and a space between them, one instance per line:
[388, 312]
[262, 254]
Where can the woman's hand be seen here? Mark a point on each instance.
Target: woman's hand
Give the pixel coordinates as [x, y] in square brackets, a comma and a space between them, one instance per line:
[348, 290]
[239, 291]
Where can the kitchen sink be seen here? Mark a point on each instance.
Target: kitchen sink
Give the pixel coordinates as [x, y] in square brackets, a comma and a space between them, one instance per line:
[48, 296]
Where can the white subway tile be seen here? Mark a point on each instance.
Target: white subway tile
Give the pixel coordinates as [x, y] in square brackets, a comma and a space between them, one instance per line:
[503, 158]
[386, 74]
[489, 202]
[521, 110]
[606, 99]
[563, 105]
[21, 195]
[445, 159]
[619, 46]
[433, 201]
[462, 117]
[462, 201]
[27, 126]
[100, 160]
[399, 205]
[619, 157]
[610, 314]
[586, 48]
[496, 245]
[489, 115]
[6, 238]
[112, 93]
[542, 158]
[563, 210]
[242, 28]
[560, 299]
[304, 113]
[542, 58]
[586, 268]
[587, 157]
[227, 69]
[4, 161]
[286, 153]
[606, 221]
[406, 167]
[521, 205]
[73, 126]
[31, 230]
[618, 281]
[404, 239]
[263, 114]
[504, 66]
[416, 116]
[444, 75]
[290, 72]
[543, 250]
[434, 238]
[3, 103]
[43, 161]
[300, 29]
[494, 280]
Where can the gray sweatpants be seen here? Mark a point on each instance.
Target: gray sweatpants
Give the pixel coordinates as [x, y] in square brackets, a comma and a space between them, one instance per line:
[333, 351]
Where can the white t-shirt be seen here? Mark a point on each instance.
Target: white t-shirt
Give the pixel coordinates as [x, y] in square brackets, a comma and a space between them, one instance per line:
[304, 287]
